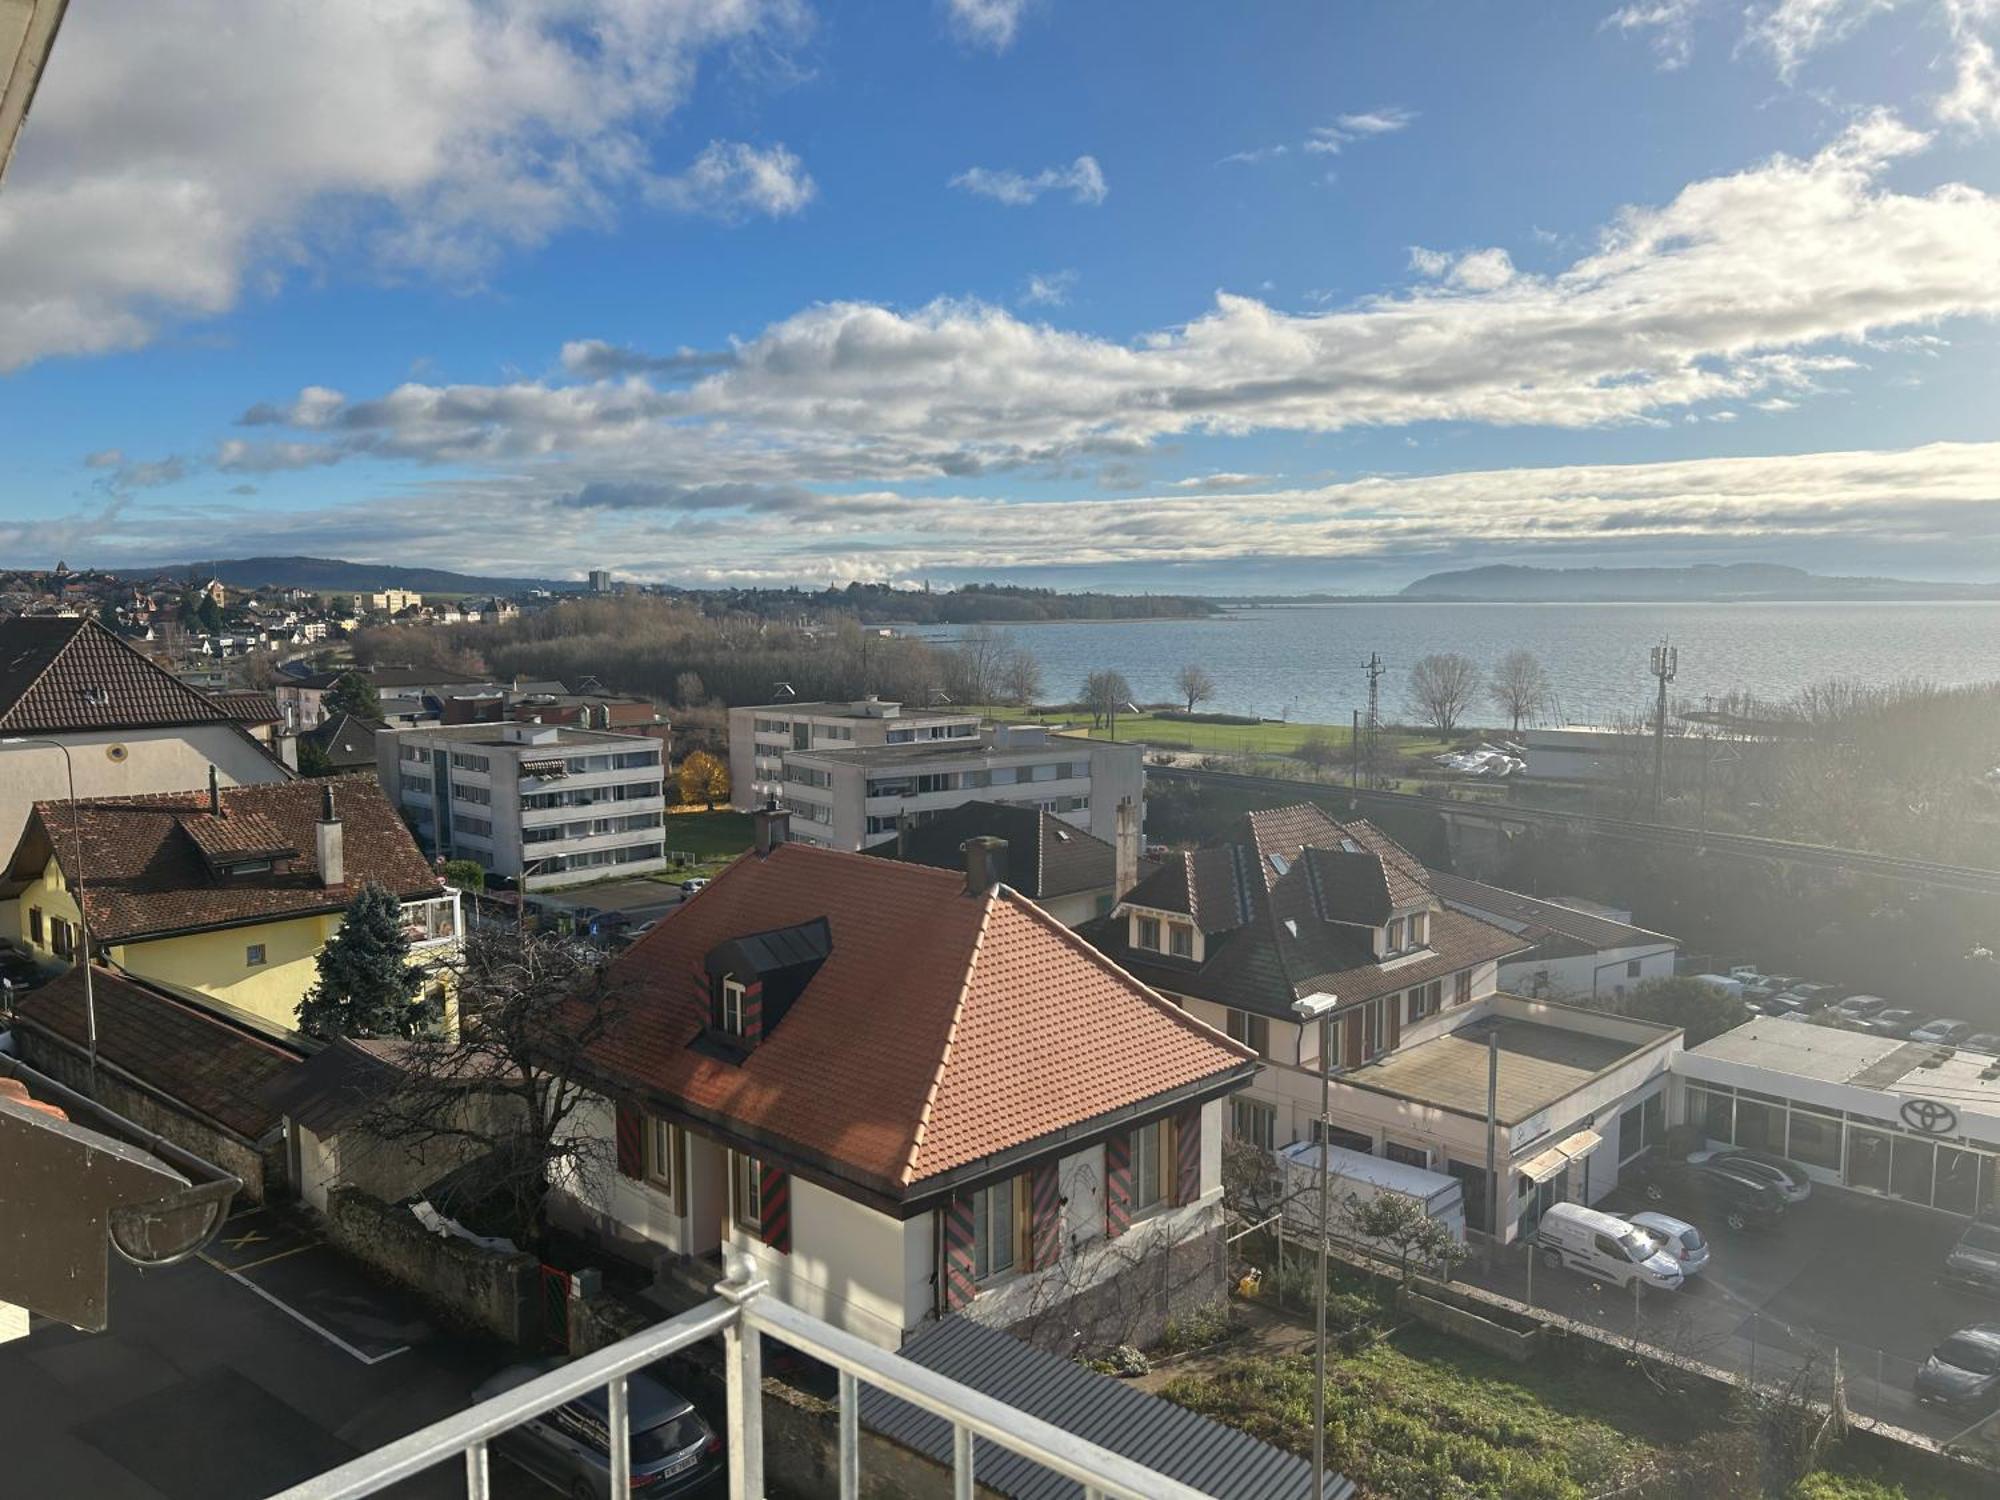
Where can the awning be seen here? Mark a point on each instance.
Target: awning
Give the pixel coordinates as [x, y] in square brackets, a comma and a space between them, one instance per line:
[547, 770]
[1550, 1163]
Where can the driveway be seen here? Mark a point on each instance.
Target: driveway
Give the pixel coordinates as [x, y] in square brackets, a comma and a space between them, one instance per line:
[234, 1375]
[1844, 1272]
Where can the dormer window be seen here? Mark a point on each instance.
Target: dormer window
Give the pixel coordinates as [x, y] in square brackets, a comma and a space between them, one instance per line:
[1180, 940]
[732, 1005]
[1420, 929]
[1395, 935]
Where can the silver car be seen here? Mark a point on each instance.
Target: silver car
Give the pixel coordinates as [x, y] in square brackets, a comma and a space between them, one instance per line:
[1683, 1241]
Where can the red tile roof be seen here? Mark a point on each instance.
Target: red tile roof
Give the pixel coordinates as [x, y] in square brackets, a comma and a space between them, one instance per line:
[146, 860]
[942, 1029]
[219, 1069]
[73, 674]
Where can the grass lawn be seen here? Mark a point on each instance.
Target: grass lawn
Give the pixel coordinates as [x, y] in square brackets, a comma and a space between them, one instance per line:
[1422, 1416]
[1221, 739]
[710, 840]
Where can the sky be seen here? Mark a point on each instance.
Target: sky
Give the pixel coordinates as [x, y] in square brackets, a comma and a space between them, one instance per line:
[1136, 296]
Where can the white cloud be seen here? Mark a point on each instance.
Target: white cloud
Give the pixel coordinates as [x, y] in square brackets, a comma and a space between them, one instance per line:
[1082, 179]
[1973, 100]
[987, 23]
[1430, 263]
[1670, 24]
[182, 153]
[1347, 129]
[1793, 30]
[731, 179]
[1048, 288]
[1483, 270]
[1252, 157]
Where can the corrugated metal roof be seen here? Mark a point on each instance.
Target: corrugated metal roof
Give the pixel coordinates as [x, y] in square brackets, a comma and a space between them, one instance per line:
[1170, 1439]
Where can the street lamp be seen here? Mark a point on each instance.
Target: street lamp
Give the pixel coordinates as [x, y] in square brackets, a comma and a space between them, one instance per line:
[76, 881]
[1319, 1007]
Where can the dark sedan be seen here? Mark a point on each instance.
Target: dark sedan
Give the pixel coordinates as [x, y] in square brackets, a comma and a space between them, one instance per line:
[1714, 1190]
[673, 1451]
[1964, 1371]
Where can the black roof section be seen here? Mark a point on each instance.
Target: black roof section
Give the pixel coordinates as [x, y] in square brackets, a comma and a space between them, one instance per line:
[1045, 857]
[770, 952]
[1170, 1439]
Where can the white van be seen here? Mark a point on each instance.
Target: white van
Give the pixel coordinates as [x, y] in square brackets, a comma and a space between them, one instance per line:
[1605, 1246]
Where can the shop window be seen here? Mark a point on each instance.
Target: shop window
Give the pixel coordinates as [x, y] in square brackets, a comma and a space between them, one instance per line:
[1957, 1181]
[1912, 1164]
[1867, 1159]
[1814, 1139]
[1759, 1126]
[1714, 1110]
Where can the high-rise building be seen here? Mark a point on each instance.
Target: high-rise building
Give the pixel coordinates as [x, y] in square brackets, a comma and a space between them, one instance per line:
[600, 580]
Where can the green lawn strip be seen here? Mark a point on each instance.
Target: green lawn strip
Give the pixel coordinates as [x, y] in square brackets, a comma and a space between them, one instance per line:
[714, 836]
[1222, 739]
[1423, 1417]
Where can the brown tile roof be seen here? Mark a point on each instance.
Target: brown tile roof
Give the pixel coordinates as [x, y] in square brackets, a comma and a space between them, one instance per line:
[147, 860]
[58, 675]
[190, 1054]
[16, 1091]
[941, 1030]
[249, 705]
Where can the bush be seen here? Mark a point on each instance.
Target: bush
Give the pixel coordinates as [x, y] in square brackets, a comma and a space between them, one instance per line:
[1208, 1324]
[1182, 716]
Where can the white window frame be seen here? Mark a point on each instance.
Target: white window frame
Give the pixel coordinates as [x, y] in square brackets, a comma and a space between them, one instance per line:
[1392, 941]
[1251, 1030]
[663, 1155]
[1149, 1153]
[1009, 1199]
[1260, 1117]
[255, 955]
[733, 992]
[746, 1193]
[1140, 934]
[1180, 939]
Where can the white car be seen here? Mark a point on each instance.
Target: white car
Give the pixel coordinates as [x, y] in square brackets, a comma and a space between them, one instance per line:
[1682, 1240]
[1943, 1032]
[693, 884]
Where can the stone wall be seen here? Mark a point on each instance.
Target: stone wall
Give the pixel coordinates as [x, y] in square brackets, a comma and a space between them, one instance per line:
[475, 1288]
[1132, 1305]
[261, 1166]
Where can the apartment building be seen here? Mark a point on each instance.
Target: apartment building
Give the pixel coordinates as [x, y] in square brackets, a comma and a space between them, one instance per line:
[761, 737]
[851, 773]
[544, 804]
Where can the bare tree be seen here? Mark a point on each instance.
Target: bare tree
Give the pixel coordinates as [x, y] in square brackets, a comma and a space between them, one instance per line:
[1442, 687]
[502, 1093]
[976, 664]
[1194, 684]
[1520, 687]
[1021, 679]
[689, 692]
[1104, 693]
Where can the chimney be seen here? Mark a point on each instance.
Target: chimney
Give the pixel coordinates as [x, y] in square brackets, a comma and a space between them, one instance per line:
[330, 843]
[1125, 851]
[985, 863]
[904, 822]
[773, 825]
[214, 793]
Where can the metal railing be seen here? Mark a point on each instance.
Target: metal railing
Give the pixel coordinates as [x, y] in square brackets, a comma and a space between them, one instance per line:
[741, 1310]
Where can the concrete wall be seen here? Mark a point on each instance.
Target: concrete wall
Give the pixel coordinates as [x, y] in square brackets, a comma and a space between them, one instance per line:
[154, 760]
[848, 1264]
[1585, 976]
[474, 1287]
[217, 964]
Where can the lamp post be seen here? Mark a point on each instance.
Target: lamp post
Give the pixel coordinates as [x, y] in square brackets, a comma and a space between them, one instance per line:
[1319, 1008]
[76, 882]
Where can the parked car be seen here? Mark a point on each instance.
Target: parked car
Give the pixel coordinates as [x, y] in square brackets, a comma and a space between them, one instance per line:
[1729, 984]
[1944, 1031]
[1603, 1245]
[1681, 1239]
[1816, 996]
[1858, 1008]
[1975, 1259]
[1779, 1005]
[1733, 1193]
[673, 1450]
[1791, 1179]
[693, 884]
[1748, 973]
[1963, 1371]
[1897, 1022]
[1982, 1041]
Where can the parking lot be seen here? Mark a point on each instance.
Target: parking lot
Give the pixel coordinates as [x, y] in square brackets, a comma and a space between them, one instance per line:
[1843, 1272]
[266, 1360]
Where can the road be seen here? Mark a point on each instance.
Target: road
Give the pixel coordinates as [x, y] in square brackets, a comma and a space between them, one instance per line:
[231, 1376]
[1845, 1271]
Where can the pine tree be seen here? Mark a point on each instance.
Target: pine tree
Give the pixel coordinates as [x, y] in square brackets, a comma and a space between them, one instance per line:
[352, 694]
[366, 985]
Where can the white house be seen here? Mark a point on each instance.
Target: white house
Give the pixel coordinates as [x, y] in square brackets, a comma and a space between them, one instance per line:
[1577, 954]
[909, 1092]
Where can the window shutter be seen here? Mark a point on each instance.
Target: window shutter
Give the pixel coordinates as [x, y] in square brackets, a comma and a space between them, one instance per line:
[631, 1136]
[960, 1286]
[1350, 1051]
[1187, 1155]
[1044, 1216]
[1396, 1020]
[776, 1195]
[1117, 1185]
[753, 1011]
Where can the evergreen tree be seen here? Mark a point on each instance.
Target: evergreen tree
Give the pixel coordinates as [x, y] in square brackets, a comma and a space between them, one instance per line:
[366, 985]
[353, 694]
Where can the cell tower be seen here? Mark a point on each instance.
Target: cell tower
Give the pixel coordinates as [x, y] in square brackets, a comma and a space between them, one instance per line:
[1666, 664]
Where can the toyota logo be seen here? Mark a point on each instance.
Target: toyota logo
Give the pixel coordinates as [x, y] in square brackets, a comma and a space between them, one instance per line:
[1929, 1116]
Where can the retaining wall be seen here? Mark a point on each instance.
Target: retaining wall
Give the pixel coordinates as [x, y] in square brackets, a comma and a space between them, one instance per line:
[473, 1287]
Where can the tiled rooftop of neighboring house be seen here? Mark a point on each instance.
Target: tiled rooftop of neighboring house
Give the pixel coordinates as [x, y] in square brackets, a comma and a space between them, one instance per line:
[191, 1054]
[59, 675]
[347, 742]
[941, 1029]
[1046, 857]
[1285, 909]
[151, 863]
[249, 705]
[1540, 920]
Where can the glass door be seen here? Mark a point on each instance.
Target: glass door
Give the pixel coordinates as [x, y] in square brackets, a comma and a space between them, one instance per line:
[1867, 1159]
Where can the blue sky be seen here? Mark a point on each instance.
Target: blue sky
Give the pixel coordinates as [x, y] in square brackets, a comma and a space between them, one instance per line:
[1250, 298]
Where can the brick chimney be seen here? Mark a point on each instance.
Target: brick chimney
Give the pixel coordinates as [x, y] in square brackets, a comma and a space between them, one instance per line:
[773, 825]
[330, 842]
[985, 863]
[1125, 850]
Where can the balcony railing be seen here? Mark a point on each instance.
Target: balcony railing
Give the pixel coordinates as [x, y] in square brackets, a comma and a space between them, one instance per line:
[429, 923]
[741, 1310]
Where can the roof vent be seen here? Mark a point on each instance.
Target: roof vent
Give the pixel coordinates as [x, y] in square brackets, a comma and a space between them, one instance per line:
[1278, 862]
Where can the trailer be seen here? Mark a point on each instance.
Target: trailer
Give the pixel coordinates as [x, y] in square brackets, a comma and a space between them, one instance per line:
[1357, 1175]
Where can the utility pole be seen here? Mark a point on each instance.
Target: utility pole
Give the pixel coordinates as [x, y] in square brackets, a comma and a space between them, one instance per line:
[1666, 662]
[1375, 669]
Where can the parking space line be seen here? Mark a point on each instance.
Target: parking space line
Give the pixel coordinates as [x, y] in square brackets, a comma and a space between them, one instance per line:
[326, 1333]
[296, 1249]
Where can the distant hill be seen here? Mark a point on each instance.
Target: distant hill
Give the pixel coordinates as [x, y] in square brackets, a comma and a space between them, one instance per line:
[330, 575]
[1716, 581]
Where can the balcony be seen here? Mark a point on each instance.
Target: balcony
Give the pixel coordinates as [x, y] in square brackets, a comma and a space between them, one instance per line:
[742, 1309]
[431, 924]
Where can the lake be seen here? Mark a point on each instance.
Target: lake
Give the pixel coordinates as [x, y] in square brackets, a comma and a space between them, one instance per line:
[1305, 662]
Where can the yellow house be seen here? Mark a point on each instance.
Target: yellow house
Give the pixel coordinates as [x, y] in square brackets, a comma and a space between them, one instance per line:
[228, 894]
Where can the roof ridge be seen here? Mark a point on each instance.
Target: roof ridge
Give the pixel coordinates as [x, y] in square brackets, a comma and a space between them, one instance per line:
[936, 1085]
